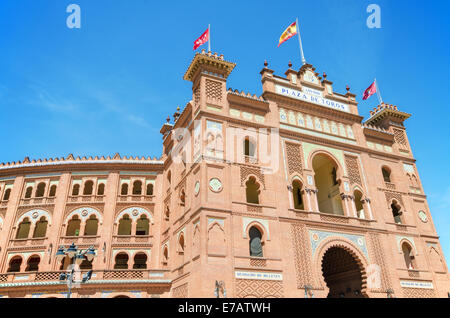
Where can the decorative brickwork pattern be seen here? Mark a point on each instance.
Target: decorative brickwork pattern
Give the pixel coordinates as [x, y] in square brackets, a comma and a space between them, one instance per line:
[394, 195]
[294, 158]
[353, 170]
[254, 262]
[213, 89]
[334, 219]
[400, 139]
[180, 291]
[418, 293]
[123, 274]
[258, 288]
[302, 255]
[247, 171]
[377, 257]
[197, 96]
[47, 276]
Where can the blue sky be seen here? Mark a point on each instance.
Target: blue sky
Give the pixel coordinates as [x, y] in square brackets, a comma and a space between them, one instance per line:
[109, 86]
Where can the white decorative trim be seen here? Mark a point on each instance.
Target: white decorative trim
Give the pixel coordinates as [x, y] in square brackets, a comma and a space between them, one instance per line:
[135, 213]
[84, 214]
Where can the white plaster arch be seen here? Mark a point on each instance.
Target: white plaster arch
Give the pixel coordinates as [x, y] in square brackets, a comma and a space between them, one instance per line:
[34, 216]
[84, 213]
[264, 224]
[135, 213]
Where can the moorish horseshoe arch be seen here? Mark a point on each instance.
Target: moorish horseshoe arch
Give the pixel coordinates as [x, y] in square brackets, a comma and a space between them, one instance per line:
[84, 213]
[349, 247]
[341, 169]
[34, 216]
[131, 211]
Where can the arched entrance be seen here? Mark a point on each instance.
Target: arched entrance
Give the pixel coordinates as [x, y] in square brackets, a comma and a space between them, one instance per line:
[342, 274]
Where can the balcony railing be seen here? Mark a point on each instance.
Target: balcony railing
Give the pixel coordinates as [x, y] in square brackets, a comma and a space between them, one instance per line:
[86, 198]
[135, 198]
[41, 200]
[128, 274]
[132, 238]
[85, 239]
[390, 185]
[38, 241]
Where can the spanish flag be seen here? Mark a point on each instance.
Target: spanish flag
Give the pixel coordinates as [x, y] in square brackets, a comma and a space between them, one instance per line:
[289, 33]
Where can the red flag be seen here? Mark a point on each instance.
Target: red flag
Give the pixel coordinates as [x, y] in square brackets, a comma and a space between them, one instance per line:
[202, 40]
[370, 91]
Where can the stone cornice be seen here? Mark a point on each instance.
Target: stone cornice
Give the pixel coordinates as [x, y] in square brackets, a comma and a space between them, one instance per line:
[208, 59]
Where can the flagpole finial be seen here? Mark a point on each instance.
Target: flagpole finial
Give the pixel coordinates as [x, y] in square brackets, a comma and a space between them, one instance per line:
[290, 64]
[265, 63]
[347, 88]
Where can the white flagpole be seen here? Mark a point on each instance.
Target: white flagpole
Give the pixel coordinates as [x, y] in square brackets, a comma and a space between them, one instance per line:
[378, 92]
[209, 37]
[300, 42]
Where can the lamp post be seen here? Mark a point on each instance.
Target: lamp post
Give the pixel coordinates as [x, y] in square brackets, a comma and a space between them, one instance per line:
[308, 289]
[77, 257]
[390, 293]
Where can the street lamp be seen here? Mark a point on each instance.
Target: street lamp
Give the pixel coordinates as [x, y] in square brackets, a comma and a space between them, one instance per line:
[308, 289]
[390, 293]
[77, 257]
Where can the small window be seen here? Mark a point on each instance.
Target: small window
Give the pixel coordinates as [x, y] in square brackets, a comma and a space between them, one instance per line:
[252, 191]
[359, 204]
[249, 148]
[142, 226]
[149, 189]
[88, 188]
[40, 191]
[73, 226]
[28, 192]
[182, 197]
[6, 195]
[255, 242]
[396, 212]
[101, 189]
[52, 193]
[386, 174]
[297, 194]
[15, 264]
[24, 229]
[41, 228]
[137, 187]
[140, 261]
[124, 226]
[121, 261]
[408, 256]
[91, 226]
[124, 190]
[33, 264]
[76, 190]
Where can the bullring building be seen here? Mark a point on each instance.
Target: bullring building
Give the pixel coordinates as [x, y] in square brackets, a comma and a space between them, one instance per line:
[287, 194]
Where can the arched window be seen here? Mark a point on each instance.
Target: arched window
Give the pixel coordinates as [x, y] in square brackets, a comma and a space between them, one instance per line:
[326, 181]
[255, 242]
[88, 188]
[65, 262]
[40, 229]
[7, 194]
[14, 264]
[181, 244]
[33, 264]
[169, 177]
[408, 256]
[28, 192]
[137, 187]
[252, 191]
[76, 190]
[182, 197]
[359, 205]
[140, 261]
[149, 189]
[396, 212]
[121, 261]
[101, 189]
[124, 190]
[386, 174]
[24, 229]
[249, 147]
[124, 225]
[73, 226]
[142, 226]
[165, 255]
[91, 227]
[52, 191]
[40, 190]
[85, 264]
[297, 194]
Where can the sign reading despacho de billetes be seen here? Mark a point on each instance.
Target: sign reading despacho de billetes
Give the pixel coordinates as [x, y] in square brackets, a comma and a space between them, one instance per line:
[311, 98]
